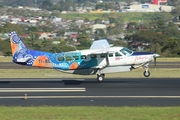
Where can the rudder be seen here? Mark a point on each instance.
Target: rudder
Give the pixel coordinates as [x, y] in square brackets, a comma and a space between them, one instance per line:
[18, 48]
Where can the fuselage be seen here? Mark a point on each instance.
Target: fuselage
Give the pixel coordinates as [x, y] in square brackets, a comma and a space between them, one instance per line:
[85, 59]
[99, 59]
[99, 56]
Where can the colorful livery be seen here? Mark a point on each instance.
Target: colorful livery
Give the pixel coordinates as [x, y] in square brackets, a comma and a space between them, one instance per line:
[100, 59]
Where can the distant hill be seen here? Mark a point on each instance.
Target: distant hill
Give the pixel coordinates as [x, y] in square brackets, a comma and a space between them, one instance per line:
[39, 2]
[15, 3]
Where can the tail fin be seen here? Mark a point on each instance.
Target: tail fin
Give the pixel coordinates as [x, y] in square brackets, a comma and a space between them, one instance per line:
[18, 48]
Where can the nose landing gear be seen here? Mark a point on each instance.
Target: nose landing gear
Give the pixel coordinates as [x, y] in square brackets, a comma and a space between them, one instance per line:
[146, 72]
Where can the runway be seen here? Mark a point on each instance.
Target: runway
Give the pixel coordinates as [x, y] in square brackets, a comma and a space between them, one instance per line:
[89, 92]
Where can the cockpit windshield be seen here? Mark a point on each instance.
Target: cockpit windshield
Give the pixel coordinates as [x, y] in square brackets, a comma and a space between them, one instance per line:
[126, 51]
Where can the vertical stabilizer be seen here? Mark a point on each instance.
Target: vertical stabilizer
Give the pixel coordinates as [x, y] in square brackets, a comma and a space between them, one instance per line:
[18, 48]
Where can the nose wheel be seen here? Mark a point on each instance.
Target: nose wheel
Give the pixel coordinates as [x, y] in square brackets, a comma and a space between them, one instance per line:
[146, 73]
[100, 77]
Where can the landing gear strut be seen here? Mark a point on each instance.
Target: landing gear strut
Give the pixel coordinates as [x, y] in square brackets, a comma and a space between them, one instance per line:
[146, 72]
[100, 77]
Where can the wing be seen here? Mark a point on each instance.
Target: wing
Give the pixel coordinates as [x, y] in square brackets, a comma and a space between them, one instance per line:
[100, 44]
[101, 47]
[101, 51]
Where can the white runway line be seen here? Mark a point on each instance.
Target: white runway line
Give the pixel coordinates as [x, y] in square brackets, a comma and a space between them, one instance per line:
[75, 97]
[6, 90]
[38, 79]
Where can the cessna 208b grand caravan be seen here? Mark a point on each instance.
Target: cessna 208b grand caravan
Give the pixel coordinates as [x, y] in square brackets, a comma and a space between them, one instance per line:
[100, 59]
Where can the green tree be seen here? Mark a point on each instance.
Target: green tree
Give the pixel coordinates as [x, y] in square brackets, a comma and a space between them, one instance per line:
[101, 33]
[33, 29]
[47, 4]
[172, 47]
[161, 24]
[171, 32]
[112, 20]
[33, 38]
[5, 47]
[84, 40]
[103, 6]
[176, 11]
[11, 27]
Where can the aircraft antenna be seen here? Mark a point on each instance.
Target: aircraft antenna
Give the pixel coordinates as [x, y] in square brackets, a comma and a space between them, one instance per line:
[75, 47]
[61, 50]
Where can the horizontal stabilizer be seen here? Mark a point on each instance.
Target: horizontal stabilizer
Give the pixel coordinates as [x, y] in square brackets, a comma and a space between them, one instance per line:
[23, 60]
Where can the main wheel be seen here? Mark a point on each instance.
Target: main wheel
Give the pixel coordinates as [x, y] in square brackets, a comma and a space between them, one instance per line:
[100, 78]
[146, 73]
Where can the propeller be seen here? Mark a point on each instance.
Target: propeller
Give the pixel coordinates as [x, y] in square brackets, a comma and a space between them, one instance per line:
[155, 63]
[155, 58]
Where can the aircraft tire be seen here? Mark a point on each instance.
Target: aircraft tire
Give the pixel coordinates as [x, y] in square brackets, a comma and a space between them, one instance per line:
[146, 73]
[100, 78]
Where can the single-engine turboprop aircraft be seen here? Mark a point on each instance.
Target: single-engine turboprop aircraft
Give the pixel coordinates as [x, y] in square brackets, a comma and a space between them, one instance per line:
[100, 59]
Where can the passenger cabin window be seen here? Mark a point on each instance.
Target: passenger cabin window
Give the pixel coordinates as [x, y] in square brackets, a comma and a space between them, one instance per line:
[110, 54]
[102, 55]
[76, 57]
[117, 54]
[83, 57]
[93, 56]
[60, 58]
[69, 58]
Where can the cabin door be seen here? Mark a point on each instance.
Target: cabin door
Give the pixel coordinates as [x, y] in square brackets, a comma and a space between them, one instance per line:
[116, 59]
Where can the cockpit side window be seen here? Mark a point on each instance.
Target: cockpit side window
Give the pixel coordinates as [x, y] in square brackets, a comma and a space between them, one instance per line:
[126, 51]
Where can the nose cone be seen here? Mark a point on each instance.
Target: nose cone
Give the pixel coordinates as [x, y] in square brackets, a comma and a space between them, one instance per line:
[156, 55]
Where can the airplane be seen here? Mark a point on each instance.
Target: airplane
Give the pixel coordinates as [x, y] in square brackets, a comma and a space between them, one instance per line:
[100, 59]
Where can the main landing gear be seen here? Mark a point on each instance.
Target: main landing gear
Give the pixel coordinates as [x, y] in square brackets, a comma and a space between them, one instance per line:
[146, 72]
[100, 77]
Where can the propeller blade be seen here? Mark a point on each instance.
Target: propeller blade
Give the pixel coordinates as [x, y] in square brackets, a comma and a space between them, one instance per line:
[155, 58]
[155, 63]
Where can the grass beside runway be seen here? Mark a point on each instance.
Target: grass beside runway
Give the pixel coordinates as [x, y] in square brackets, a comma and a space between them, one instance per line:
[51, 73]
[89, 113]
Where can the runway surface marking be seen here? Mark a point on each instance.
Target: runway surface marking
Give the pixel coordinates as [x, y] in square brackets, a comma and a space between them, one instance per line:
[42, 90]
[45, 97]
[36, 79]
